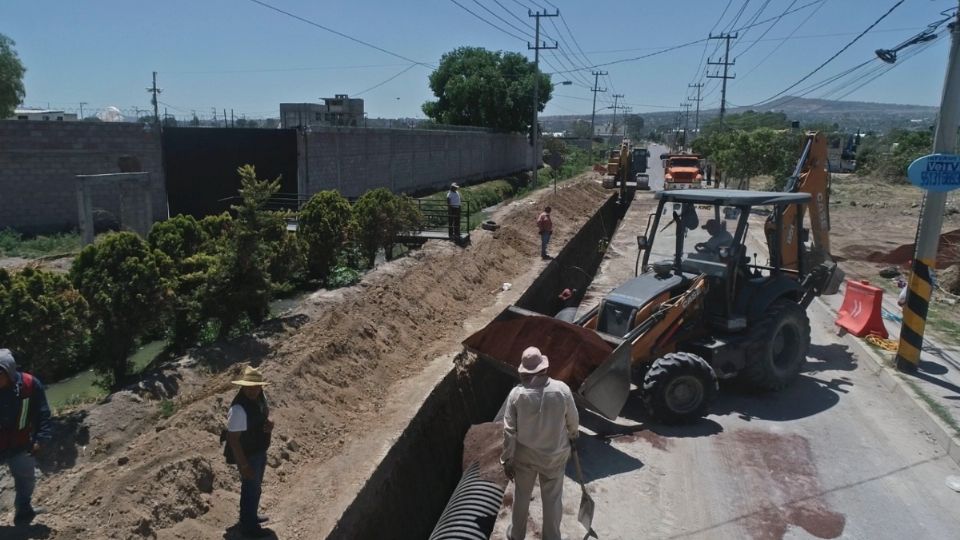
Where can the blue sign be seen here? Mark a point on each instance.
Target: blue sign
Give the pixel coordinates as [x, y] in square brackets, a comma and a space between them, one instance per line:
[935, 172]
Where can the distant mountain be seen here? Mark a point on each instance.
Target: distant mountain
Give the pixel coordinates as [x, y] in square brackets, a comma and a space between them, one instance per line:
[848, 115]
[794, 106]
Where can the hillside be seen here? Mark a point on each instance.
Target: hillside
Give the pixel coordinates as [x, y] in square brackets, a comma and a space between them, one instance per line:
[849, 115]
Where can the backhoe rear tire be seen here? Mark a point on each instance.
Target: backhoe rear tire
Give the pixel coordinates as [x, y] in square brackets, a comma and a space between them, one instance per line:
[782, 338]
[679, 387]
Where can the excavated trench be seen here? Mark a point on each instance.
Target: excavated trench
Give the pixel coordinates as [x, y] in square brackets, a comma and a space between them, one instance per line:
[408, 492]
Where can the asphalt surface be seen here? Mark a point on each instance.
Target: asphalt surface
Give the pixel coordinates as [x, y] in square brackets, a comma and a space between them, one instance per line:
[835, 455]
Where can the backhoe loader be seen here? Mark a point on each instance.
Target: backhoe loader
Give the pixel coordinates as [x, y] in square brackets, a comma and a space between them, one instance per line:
[701, 309]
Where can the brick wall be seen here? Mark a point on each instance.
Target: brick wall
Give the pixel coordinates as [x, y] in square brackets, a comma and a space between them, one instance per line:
[38, 162]
[355, 160]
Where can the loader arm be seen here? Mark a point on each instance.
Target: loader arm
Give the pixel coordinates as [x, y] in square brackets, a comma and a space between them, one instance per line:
[810, 176]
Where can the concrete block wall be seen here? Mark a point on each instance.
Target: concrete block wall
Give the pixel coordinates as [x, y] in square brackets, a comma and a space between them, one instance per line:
[38, 162]
[355, 160]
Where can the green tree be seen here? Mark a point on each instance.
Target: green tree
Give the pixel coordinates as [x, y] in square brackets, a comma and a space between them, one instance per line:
[239, 286]
[325, 226]
[11, 77]
[742, 155]
[380, 217]
[478, 87]
[44, 321]
[182, 239]
[126, 285]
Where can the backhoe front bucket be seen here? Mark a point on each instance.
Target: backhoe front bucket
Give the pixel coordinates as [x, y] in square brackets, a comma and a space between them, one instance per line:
[587, 362]
[608, 387]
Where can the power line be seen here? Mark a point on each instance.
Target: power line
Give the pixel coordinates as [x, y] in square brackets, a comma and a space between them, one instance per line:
[765, 32]
[706, 45]
[378, 85]
[838, 53]
[341, 34]
[275, 70]
[507, 32]
[694, 42]
[784, 40]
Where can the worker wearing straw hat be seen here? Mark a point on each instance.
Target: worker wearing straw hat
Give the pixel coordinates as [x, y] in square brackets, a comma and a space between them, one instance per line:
[540, 420]
[248, 437]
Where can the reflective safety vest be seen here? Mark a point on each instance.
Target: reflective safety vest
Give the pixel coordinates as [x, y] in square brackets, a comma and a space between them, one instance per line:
[18, 436]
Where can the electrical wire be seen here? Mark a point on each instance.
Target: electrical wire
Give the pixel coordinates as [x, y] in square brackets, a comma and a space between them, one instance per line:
[765, 32]
[378, 85]
[834, 56]
[341, 34]
[507, 32]
[784, 40]
[696, 41]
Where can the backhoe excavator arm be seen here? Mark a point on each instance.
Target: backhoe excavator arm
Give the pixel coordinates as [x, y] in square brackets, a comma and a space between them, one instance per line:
[809, 176]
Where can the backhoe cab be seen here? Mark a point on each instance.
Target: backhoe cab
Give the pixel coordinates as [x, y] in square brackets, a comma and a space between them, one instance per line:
[701, 307]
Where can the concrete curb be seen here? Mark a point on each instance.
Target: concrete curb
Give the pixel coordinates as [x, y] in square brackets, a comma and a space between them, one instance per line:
[894, 382]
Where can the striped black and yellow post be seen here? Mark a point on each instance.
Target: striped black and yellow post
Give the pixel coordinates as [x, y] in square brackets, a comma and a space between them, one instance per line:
[915, 316]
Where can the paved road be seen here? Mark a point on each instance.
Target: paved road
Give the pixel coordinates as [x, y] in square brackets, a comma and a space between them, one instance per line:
[833, 456]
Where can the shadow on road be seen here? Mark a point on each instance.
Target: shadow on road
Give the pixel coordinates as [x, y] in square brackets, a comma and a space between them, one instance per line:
[600, 459]
[806, 397]
[24, 532]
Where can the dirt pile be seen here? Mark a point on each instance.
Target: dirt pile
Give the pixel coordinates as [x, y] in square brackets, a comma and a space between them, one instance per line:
[331, 367]
[948, 252]
[949, 279]
[483, 445]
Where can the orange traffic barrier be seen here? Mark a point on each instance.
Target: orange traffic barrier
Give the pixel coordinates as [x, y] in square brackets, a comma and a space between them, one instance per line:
[861, 313]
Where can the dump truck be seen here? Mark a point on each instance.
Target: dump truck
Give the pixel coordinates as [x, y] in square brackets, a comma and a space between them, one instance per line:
[699, 308]
[682, 171]
[627, 168]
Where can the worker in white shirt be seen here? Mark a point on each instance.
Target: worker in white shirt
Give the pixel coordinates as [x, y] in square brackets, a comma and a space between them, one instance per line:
[453, 212]
[540, 421]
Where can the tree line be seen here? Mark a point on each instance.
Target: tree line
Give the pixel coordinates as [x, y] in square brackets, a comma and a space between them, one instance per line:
[191, 281]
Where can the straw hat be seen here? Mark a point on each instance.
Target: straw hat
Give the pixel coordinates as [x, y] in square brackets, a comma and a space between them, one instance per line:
[533, 361]
[251, 377]
[454, 186]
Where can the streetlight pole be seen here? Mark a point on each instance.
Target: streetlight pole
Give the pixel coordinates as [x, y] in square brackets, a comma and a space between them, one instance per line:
[931, 219]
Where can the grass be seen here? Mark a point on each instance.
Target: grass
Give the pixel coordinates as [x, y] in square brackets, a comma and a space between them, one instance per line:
[942, 412]
[14, 244]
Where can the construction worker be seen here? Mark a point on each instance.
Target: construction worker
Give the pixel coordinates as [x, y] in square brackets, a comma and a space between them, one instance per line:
[248, 437]
[719, 237]
[453, 211]
[539, 425]
[545, 227]
[25, 429]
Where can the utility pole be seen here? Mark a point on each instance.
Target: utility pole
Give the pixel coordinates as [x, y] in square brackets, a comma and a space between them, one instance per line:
[82, 103]
[596, 88]
[231, 117]
[535, 131]
[154, 90]
[215, 124]
[726, 63]
[225, 117]
[613, 125]
[686, 122]
[931, 217]
[699, 87]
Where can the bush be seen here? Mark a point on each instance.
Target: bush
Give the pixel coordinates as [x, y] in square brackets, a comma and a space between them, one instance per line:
[238, 287]
[179, 237]
[326, 224]
[380, 217]
[44, 321]
[126, 285]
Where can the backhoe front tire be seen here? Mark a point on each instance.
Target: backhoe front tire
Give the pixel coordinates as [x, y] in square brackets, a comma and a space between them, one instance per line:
[782, 338]
[679, 387]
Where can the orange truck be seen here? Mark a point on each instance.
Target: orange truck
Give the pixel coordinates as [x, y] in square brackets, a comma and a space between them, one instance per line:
[682, 171]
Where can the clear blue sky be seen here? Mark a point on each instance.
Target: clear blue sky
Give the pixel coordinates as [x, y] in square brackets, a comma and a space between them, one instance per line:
[240, 55]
